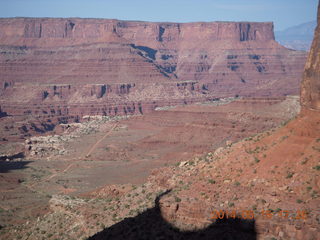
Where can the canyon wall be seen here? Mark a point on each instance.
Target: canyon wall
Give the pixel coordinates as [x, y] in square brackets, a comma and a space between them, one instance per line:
[93, 65]
[310, 87]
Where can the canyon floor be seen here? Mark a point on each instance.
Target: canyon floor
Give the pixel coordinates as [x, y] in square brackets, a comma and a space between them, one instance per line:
[65, 170]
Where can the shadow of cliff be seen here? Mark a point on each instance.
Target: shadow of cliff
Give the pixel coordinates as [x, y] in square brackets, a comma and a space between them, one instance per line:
[150, 225]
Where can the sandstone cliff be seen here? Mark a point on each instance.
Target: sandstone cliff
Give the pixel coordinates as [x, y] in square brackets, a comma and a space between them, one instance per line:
[310, 88]
[74, 67]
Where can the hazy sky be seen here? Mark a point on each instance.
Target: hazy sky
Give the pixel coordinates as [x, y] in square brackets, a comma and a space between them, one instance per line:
[284, 13]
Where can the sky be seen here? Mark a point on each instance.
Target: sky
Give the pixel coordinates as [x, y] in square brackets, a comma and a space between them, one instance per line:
[284, 13]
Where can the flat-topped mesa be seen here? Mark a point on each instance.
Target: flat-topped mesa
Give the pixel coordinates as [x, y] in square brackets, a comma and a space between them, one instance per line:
[310, 87]
[29, 31]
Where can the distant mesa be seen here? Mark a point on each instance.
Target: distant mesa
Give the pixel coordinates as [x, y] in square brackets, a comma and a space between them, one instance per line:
[64, 69]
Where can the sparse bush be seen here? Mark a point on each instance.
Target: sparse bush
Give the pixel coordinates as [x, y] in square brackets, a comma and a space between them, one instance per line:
[177, 199]
[237, 183]
[256, 159]
[211, 181]
[317, 167]
[289, 175]
[299, 201]
[304, 161]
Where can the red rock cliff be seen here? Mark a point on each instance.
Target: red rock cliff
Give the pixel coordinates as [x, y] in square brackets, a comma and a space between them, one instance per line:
[99, 64]
[30, 31]
[310, 88]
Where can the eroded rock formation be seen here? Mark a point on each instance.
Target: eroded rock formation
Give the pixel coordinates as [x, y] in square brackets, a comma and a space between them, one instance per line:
[58, 70]
[310, 88]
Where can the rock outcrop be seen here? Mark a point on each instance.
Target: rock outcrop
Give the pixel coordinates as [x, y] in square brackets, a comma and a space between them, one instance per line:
[310, 88]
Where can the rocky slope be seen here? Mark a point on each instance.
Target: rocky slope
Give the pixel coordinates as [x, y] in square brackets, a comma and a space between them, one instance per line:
[273, 177]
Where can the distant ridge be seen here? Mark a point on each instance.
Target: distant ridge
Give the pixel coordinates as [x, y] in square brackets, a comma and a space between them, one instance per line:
[298, 37]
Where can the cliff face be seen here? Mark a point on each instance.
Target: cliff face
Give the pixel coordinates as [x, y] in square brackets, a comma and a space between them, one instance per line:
[310, 88]
[34, 31]
[111, 64]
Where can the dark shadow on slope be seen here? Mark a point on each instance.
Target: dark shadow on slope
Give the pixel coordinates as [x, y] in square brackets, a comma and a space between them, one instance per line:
[13, 157]
[148, 52]
[150, 225]
[12, 165]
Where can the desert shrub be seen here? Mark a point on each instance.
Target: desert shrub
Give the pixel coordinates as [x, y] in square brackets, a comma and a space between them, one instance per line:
[211, 181]
[317, 167]
[237, 183]
[289, 175]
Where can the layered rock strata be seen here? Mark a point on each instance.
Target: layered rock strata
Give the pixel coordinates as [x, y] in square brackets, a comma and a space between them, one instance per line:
[75, 67]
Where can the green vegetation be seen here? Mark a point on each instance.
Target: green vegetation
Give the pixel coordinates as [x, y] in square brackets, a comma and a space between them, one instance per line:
[289, 174]
[317, 167]
[191, 163]
[211, 181]
[237, 183]
[299, 201]
[278, 210]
